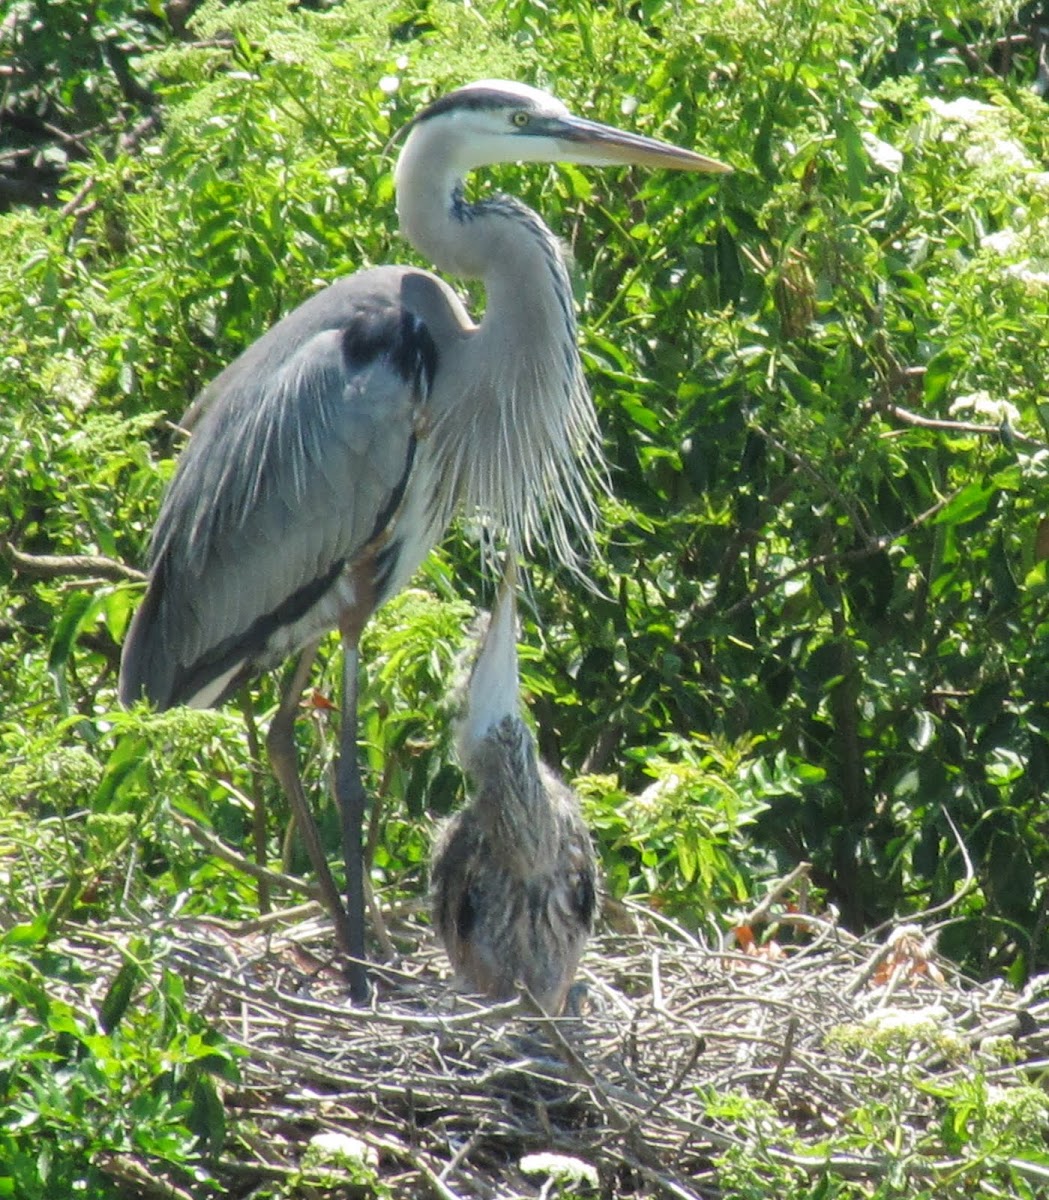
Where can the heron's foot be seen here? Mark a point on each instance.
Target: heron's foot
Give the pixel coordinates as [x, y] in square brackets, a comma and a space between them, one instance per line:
[362, 991]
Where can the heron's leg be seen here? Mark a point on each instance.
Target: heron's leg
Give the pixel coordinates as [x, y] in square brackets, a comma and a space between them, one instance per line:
[280, 742]
[258, 797]
[349, 788]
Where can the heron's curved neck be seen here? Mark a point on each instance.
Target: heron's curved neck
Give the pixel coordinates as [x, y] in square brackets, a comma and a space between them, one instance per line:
[513, 422]
[499, 240]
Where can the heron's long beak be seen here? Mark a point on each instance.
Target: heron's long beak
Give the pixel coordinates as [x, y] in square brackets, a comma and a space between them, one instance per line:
[603, 146]
[501, 637]
[494, 684]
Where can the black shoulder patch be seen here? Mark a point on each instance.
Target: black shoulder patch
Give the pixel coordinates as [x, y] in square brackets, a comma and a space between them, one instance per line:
[397, 335]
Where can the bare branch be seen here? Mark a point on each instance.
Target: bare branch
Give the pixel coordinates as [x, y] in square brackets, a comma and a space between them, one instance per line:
[761, 910]
[54, 566]
[828, 485]
[219, 849]
[919, 420]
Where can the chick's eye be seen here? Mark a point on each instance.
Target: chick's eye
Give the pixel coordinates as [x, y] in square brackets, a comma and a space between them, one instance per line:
[520, 119]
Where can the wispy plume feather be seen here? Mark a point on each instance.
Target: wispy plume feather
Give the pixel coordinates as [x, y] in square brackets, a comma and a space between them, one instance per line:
[522, 442]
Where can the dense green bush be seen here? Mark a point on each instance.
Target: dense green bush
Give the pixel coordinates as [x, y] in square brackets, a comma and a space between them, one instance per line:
[819, 380]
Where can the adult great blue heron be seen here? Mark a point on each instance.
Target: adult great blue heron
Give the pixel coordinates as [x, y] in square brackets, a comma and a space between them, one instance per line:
[512, 873]
[332, 454]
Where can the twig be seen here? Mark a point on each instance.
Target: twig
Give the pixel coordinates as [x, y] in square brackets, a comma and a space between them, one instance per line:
[131, 1171]
[877, 546]
[760, 911]
[784, 1058]
[664, 1181]
[79, 196]
[970, 873]
[919, 420]
[128, 142]
[264, 921]
[805, 465]
[219, 848]
[699, 1044]
[653, 914]
[922, 917]
[415, 1159]
[614, 1087]
[53, 566]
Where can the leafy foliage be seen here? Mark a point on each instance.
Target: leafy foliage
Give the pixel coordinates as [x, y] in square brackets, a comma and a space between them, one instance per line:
[70, 88]
[821, 614]
[79, 1090]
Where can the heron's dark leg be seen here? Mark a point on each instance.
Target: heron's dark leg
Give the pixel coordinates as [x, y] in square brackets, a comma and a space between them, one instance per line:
[349, 788]
[258, 797]
[280, 742]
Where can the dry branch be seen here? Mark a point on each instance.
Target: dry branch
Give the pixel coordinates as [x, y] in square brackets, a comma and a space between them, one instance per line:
[55, 566]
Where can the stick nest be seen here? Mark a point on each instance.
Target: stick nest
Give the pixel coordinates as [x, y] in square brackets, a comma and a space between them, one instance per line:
[681, 1052]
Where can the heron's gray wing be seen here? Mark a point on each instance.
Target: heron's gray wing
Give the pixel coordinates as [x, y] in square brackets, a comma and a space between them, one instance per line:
[297, 463]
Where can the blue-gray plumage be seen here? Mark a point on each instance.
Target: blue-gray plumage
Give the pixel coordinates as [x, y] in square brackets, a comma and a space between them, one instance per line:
[298, 467]
[330, 457]
[512, 875]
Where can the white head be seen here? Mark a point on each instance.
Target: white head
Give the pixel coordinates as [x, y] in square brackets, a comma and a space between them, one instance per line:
[497, 121]
[535, 452]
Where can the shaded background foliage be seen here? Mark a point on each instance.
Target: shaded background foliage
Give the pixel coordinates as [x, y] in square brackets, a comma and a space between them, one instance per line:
[821, 607]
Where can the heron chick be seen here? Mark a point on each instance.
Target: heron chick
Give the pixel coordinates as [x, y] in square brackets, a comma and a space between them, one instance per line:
[512, 873]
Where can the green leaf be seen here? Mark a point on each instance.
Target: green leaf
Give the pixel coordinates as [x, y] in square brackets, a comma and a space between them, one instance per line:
[65, 634]
[971, 501]
[939, 373]
[856, 157]
[118, 996]
[30, 933]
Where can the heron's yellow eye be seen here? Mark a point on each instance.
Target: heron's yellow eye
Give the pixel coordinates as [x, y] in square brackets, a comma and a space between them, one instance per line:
[520, 119]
